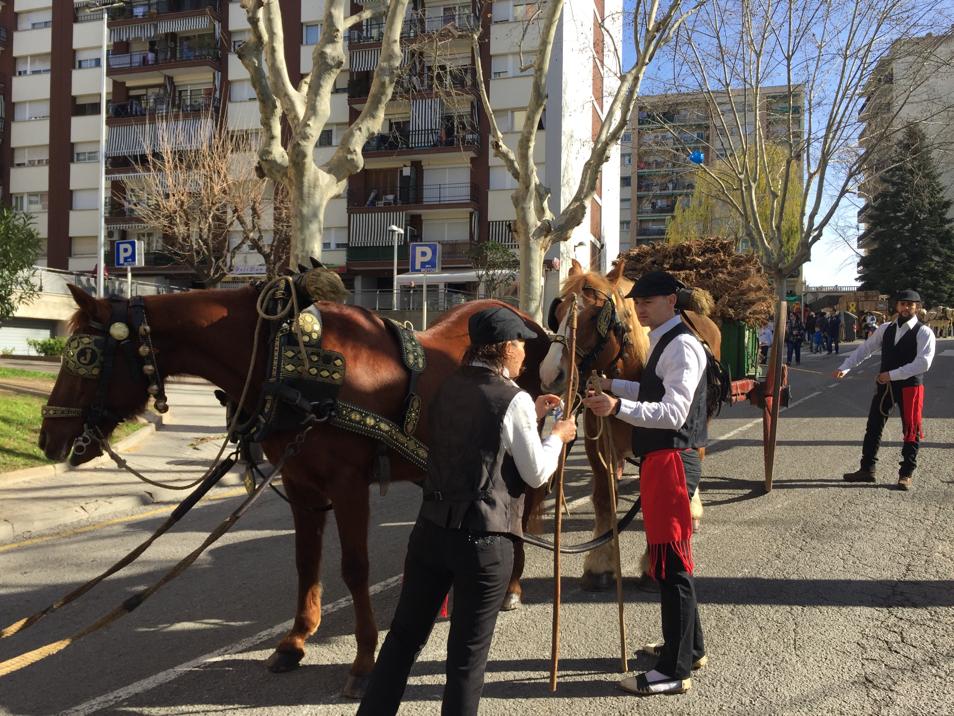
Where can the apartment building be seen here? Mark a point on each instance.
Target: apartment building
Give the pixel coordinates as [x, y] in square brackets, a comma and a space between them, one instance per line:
[912, 84]
[672, 133]
[430, 170]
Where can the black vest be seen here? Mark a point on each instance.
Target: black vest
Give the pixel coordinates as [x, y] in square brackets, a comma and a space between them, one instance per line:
[472, 482]
[693, 433]
[894, 356]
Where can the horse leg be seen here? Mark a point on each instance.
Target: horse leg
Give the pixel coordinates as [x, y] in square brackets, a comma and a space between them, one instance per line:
[533, 499]
[599, 566]
[309, 526]
[352, 513]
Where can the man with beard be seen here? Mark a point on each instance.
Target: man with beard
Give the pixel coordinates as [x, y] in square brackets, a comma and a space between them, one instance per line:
[907, 351]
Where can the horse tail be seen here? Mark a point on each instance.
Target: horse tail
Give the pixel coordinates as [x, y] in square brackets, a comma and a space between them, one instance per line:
[534, 500]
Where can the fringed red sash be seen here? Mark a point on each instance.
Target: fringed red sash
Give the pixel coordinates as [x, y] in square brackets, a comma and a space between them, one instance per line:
[666, 517]
[912, 405]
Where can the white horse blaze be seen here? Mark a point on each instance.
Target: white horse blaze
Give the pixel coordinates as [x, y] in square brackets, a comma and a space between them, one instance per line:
[550, 367]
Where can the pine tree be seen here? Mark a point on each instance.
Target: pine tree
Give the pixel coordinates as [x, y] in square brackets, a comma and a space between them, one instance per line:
[910, 236]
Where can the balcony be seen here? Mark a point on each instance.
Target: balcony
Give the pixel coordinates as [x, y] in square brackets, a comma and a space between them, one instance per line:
[4, 37]
[184, 102]
[372, 31]
[462, 79]
[145, 9]
[151, 60]
[406, 140]
[648, 118]
[376, 253]
[386, 198]
[672, 187]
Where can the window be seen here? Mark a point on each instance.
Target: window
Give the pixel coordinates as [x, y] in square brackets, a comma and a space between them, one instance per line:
[335, 238]
[527, 10]
[33, 64]
[85, 199]
[239, 38]
[501, 10]
[325, 139]
[38, 156]
[241, 91]
[86, 105]
[626, 160]
[33, 202]
[87, 58]
[36, 109]
[627, 138]
[34, 20]
[84, 152]
[310, 33]
[624, 227]
[625, 181]
[500, 65]
[500, 178]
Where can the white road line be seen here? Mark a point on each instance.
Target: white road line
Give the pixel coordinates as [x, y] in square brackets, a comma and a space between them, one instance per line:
[175, 672]
[751, 423]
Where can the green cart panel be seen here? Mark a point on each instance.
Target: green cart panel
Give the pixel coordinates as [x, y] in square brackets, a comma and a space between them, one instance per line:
[740, 349]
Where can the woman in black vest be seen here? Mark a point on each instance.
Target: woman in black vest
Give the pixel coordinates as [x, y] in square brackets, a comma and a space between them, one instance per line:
[907, 351]
[485, 450]
[667, 410]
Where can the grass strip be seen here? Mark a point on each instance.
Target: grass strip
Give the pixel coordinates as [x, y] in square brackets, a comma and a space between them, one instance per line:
[21, 373]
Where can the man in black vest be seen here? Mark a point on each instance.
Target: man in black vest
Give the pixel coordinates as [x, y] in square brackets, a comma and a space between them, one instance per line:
[907, 351]
[485, 450]
[667, 410]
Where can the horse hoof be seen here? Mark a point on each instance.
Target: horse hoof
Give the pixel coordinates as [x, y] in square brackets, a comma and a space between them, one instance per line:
[355, 687]
[283, 661]
[511, 602]
[598, 581]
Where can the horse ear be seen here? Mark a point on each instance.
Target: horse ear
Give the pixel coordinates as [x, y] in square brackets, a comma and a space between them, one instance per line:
[83, 300]
[616, 273]
[576, 268]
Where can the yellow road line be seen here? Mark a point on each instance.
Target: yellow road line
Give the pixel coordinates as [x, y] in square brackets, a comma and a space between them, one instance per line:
[115, 521]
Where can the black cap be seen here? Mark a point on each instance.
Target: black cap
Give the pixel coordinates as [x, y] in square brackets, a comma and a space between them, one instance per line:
[496, 325]
[655, 283]
[908, 294]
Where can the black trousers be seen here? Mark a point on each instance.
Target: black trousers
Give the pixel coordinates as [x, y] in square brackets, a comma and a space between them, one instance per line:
[875, 427]
[478, 566]
[682, 630]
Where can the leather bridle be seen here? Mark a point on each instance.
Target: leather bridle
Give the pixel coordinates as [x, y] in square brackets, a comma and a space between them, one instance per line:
[93, 357]
[608, 323]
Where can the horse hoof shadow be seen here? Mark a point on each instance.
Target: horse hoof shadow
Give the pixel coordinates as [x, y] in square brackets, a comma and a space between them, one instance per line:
[282, 662]
[645, 583]
[511, 602]
[598, 581]
[355, 687]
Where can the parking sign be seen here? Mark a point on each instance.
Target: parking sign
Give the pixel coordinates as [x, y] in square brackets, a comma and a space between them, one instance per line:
[127, 253]
[425, 257]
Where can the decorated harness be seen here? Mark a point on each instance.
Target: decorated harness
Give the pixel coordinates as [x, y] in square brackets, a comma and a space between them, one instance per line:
[608, 323]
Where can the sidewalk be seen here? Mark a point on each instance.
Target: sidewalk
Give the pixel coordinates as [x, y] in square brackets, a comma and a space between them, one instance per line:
[178, 453]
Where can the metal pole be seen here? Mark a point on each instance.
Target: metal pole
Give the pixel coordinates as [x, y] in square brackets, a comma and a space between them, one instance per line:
[395, 292]
[129, 282]
[424, 307]
[101, 229]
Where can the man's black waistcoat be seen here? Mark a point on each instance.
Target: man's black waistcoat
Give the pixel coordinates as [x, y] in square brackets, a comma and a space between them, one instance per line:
[894, 356]
[472, 482]
[693, 433]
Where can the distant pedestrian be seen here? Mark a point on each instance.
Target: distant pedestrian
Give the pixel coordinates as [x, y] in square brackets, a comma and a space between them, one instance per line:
[822, 328]
[766, 336]
[907, 351]
[794, 335]
[810, 330]
[834, 332]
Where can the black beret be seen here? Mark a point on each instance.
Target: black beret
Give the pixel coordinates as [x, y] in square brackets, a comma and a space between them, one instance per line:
[496, 325]
[655, 283]
[908, 294]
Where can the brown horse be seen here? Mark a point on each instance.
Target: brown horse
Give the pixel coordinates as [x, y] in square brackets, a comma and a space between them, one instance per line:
[611, 341]
[210, 334]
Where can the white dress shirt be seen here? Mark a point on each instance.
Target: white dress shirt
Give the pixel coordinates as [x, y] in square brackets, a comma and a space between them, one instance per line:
[920, 364]
[536, 460]
[681, 366]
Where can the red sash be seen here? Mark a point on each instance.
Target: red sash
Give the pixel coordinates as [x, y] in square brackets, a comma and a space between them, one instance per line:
[666, 516]
[912, 404]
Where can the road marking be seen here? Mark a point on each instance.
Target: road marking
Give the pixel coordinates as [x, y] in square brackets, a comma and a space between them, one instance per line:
[397, 524]
[751, 423]
[115, 521]
[947, 354]
[175, 672]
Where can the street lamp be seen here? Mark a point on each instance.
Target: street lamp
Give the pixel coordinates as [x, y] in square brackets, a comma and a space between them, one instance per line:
[396, 232]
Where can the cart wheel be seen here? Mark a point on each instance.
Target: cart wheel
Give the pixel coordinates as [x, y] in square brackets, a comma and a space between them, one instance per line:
[773, 382]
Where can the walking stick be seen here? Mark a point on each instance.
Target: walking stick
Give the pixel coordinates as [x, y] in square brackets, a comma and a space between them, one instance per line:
[558, 512]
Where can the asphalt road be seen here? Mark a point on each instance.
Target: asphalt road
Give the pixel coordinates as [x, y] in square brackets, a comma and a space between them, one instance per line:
[818, 598]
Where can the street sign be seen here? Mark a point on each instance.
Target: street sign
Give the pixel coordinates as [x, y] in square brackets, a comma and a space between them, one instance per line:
[128, 253]
[425, 257]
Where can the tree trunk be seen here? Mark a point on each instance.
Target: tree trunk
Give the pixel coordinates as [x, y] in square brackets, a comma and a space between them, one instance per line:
[779, 279]
[531, 278]
[310, 190]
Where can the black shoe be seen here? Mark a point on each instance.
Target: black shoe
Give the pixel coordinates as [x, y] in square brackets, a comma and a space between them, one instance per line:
[864, 474]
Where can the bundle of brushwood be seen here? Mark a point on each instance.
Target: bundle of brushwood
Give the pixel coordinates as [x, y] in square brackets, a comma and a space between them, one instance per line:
[736, 281]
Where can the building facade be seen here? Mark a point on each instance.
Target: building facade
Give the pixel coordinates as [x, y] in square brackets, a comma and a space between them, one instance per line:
[431, 170]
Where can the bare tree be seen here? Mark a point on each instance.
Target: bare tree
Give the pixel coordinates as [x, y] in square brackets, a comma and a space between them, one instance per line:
[266, 228]
[808, 77]
[192, 186]
[290, 161]
[536, 227]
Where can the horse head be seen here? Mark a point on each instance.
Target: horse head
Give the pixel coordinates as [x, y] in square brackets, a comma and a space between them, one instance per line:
[608, 334]
[107, 375]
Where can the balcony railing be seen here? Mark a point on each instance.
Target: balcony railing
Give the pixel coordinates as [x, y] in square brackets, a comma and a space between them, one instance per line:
[148, 8]
[423, 139]
[459, 78]
[183, 103]
[3, 37]
[428, 194]
[150, 58]
[373, 30]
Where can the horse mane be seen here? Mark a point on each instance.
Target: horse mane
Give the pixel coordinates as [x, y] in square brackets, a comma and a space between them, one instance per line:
[78, 321]
[638, 346]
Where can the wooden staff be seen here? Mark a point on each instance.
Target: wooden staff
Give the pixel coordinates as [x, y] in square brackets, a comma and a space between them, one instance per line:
[558, 512]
